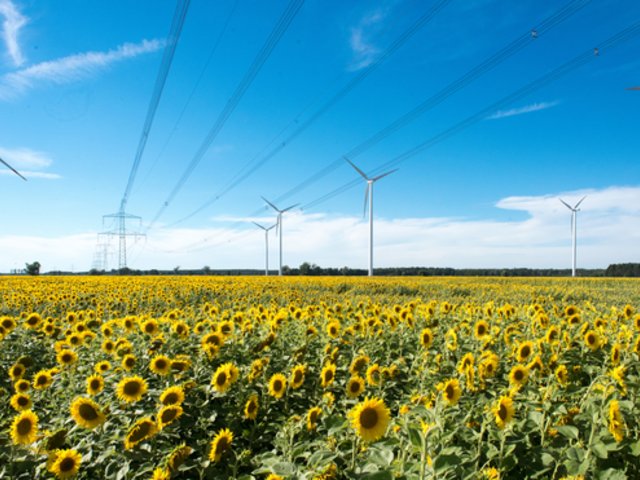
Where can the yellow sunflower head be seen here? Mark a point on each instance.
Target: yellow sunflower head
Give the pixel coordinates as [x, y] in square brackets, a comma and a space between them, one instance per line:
[525, 349]
[42, 379]
[592, 340]
[313, 415]
[24, 428]
[128, 361]
[370, 419]
[87, 413]
[251, 408]
[277, 385]
[142, 430]
[160, 365]
[426, 338]
[328, 374]
[355, 386]
[95, 384]
[480, 329]
[221, 380]
[358, 364]
[297, 376]
[220, 444]
[168, 414]
[518, 375]
[451, 391]
[131, 389]
[172, 396]
[503, 411]
[21, 401]
[65, 463]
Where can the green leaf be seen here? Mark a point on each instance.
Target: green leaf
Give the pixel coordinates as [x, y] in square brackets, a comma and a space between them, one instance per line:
[612, 474]
[600, 450]
[444, 462]
[547, 459]
[415, 437]
[568, 431]
[635, 449]
[381, 475]
[381, 456]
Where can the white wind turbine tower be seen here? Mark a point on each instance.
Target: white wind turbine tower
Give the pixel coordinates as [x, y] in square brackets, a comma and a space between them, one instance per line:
[574, 220]
[368, 196]
[266, 246]
[279, 228]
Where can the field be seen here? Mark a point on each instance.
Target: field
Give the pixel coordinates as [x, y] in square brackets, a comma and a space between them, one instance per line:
[319, 378]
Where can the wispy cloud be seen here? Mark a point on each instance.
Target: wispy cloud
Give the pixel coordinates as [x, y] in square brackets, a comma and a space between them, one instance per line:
[13, 22]
[70, 68]
[534, 107]
[364, 52]
[29, 163]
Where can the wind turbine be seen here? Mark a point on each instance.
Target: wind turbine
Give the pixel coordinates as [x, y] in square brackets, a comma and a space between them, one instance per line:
[279, 228]
[574, 219]
[633, 88]
[368, 196]
[13, 169]
[266, 245]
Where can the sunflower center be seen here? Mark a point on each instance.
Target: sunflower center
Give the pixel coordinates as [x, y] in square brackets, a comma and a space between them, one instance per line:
[449, 391]
[23, 401]
[129, 362]
[313, 416]
[277, 385]
[503, 413]
[169, 415]
[87, 412]
[481, 330]
[132, 388]
[368, 418]
[518, 375]
[67, 464]
[525, 352]
[251, 407]
[355, 387]
[95, 384]
[171, 398]
[141, 432]
[221, 379]
[161, 364]
[41, 380]
[24, 426]
[297, 376]
[222, 445]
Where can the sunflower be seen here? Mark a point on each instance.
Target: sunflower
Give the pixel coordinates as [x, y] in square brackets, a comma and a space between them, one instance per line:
[333, 329]
[180, 328]
[373, 375]
[180, 364]
[615, 354]
[467, 362]
[150, 327]
[16, 371]
[177, 457]
[525, 349]
[358, 364]
[42, 379]
[518, 375]
[161, 474]
[128, 361]
[108, 346]
[452, 340]
[488, 366]
[22, 386]
[251, 408]
[160, 364]
[313, 414]
[87, 413]
[274, 476]
[214, 339]
[297, 376]
[616, 421]
[370, 419]
[277, 385]
[451, 391]
[592, 340]
[142, 430]
[220, 444]
[221, 380]
[103, 366]
[172, 396]
[553, 334]
[503, 411]
[328, 374]
[95, 384]
[21, 401]
[131, 389]
[562, 375]
[24, 428]
[480, 329]
[618, 375]
[426, 338]
[355, 386]
[33, 321]
[65, 463]
[168, 414]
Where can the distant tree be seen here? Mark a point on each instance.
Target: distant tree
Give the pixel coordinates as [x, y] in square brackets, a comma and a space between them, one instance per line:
[206, 269]
[286, 270]
[32, 268]
[305, 268]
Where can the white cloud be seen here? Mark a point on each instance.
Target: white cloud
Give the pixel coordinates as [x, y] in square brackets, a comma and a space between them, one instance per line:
[29, 163]
[71, 68]
[534, 107]
[13, 22]
[364, 52]
[608, 232]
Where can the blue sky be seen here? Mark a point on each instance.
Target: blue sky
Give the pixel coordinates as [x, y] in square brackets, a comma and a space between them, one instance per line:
[76, 78]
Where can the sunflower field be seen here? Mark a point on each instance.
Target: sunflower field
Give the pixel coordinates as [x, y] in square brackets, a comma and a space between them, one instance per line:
[319, 378]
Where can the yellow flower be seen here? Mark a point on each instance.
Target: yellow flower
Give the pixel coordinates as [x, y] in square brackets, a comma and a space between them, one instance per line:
[562, 375]
[168, 414]
[66, 357]
[160, 364]
[370, 419]
[488, 366]
[131, 389]
[87, 413]
[21, 401]
[480, 329]
[128, 361]
[525, 349]
[65, 463]
[328, 374]
[172, 396]
[451, 391]
[221, 380]
[333, 329]
[142, 430]
[251, 408]
[177, 457]
[297, 376]
[104, 366]
[373, 375]
[358, 364]
[592, 340]
[95, 384]
[277, 385]
[42, 379]
[313, 414]
[503, 411]
[161, 474]
[355, 386]
[24, 428]
[518, 375]
[426, 338]
[616, 422]
[22, 386]
[466, 362]
[220, 444]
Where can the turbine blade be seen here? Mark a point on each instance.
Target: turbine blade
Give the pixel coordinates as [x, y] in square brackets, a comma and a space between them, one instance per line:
[258, 225]
[362, 174]
[289, 208]
[13, 170]
[272, 226]
[366, 200]
[375, 179]
[581, 200]
[270, 204]
[566, 204]
[633, 88]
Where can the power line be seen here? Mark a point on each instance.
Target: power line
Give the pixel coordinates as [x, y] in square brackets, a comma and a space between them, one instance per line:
[470, 76]
[562, 70]
[268, 47]
[364, 73]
